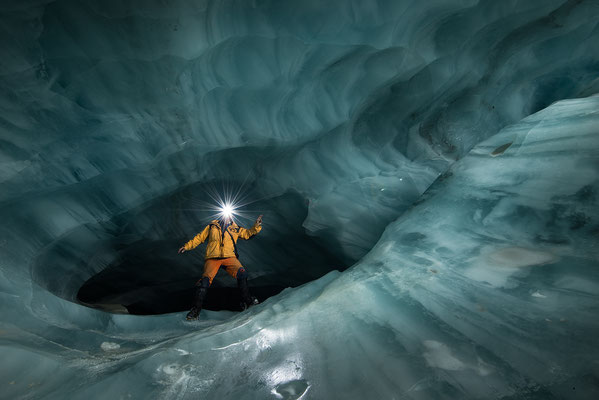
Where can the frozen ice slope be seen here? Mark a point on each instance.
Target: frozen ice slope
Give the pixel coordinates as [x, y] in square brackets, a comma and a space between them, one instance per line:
[487, 288]
[115, 117]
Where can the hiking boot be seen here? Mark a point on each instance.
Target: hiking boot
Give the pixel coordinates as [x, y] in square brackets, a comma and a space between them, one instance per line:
[193, 314]
[253, 301]
[198, 299]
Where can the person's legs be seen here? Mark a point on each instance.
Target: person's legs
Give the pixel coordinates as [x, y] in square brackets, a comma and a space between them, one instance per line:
[232, 266]
[211, 267]
[236, 270]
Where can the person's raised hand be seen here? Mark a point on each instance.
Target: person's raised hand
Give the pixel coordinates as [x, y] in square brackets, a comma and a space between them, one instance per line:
[182, 250]
[259, 220]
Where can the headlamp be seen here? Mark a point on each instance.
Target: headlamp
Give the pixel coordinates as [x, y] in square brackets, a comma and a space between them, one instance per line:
[226, 211]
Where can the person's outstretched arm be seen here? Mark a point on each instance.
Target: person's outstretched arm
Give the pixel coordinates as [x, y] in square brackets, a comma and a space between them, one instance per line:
[196, 241]
[248, 233]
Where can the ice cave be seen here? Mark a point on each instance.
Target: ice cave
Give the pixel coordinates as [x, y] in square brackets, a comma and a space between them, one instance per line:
[427, 172]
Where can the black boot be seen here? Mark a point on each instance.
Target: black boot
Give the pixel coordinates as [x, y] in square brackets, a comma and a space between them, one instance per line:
[247, 299]
[198, 299]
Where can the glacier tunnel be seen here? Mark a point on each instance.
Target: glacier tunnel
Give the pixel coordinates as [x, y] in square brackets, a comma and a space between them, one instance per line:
[428, 172]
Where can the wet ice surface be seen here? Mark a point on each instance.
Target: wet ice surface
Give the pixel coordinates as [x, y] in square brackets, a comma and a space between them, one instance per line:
[497, 251]
[487, 288]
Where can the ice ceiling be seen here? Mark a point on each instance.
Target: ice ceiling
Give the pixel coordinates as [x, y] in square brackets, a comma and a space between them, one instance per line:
[428, 174]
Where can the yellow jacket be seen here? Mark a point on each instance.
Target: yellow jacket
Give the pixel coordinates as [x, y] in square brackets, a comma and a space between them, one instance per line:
[219, 245]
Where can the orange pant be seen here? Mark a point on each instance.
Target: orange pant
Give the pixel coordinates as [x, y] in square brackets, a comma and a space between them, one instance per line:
[212, 265]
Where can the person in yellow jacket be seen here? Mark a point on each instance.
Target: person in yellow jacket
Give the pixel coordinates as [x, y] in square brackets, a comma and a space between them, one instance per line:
[221, 252]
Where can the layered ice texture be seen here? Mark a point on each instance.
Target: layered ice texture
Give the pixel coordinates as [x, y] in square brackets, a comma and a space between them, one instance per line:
[428, 174]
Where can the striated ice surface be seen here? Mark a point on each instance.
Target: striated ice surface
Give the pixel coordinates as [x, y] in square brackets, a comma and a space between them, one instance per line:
[428, 172]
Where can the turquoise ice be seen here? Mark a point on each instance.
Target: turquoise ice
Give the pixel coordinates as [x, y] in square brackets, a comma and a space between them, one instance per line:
[429, 175]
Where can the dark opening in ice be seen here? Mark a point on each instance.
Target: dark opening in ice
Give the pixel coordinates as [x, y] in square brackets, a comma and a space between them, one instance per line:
[131, 265]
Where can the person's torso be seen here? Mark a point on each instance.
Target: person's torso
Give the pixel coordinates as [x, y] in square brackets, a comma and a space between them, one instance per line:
[221, 245]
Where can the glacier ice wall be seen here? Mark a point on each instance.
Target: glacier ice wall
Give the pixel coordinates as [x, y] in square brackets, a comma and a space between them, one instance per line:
[116, 116]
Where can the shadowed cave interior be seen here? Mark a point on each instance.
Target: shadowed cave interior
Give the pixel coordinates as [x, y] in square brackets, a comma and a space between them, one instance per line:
[145, 275]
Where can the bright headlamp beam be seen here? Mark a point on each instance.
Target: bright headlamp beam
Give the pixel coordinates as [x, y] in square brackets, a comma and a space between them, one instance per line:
[227, 211]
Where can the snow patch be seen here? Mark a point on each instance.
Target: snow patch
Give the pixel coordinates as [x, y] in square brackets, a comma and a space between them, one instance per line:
[515, 257]
[110, 346]
[438, 355]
